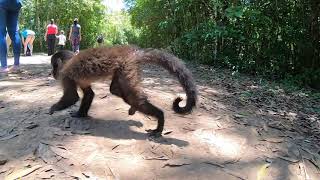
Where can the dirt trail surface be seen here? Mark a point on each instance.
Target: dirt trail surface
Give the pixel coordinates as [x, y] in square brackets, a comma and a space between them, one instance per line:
[240, 130]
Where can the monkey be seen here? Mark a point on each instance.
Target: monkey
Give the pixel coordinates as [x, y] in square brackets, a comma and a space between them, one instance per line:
[122, 64]
[59, 59]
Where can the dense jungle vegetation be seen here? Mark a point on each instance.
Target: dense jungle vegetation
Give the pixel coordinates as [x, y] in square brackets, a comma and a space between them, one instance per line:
[279, 40]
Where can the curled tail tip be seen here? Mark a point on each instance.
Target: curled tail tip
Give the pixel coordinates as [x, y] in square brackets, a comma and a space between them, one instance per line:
[182, 110]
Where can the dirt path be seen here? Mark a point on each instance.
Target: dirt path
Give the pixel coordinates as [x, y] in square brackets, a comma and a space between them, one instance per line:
[240, 130]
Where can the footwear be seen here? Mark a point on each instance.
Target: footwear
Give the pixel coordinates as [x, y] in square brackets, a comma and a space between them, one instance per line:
[4, 72]
[14, 69]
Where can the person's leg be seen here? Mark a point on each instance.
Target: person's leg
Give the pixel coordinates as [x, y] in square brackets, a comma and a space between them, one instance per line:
[77, 45]
[48, 44]
[3, 33]
[31, 44]
[12, 26]
[8, 40]
[53, 43]
[73, 44]
[25, 45]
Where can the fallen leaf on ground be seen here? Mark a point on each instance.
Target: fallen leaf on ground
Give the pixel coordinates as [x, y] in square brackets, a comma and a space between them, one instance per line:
[3, 160]
[80, 132]
[273, 140]
[62, 152]
[289, 159]
[44, 152]
[177, 162]
[46, 175]
[21, 173]
[262, 171]
[189, 129]
[239, 116]
[166, 133]
[32, 126]
[104, 97]
[10, 136]
[214, 164]
[163, 158]
[115, 146]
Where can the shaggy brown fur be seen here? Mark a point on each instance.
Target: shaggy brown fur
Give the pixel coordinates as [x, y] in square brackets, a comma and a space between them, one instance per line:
[122, 64]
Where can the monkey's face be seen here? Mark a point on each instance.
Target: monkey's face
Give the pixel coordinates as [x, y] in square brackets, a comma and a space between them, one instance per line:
[56, 67]
[58, 60]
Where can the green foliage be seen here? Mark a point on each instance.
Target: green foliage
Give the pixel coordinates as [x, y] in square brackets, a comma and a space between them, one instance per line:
[93, 18]
[118, 29]
[276, 39]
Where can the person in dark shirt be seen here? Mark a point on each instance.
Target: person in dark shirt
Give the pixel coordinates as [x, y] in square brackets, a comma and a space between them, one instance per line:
[75, 36]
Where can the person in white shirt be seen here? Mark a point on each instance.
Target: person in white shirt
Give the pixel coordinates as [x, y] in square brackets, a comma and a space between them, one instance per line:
[62, 40]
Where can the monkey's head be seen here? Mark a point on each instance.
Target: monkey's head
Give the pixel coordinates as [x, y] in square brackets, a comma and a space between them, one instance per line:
[58, 60]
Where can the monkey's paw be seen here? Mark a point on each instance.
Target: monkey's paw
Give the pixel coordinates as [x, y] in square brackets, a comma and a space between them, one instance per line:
[132, 111]
[78, 114]
[52, 109]
[154, 133]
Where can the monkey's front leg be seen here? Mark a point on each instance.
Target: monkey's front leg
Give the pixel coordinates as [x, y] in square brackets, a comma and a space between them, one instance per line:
[63, 103]
[69, 98]
[88, 96]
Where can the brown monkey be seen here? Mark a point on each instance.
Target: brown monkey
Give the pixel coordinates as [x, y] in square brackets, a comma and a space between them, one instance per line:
[122, 64]
[59, 59]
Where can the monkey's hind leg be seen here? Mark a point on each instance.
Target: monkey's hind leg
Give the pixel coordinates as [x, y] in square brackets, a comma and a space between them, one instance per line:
[118, 87]
[149, 109]
[69, 98]
[86, 102]
[125, 84]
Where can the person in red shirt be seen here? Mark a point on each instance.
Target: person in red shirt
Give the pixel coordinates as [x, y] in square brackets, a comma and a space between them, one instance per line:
[50, 36]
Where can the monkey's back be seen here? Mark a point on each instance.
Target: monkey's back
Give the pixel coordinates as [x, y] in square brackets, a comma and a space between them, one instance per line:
[99, 63]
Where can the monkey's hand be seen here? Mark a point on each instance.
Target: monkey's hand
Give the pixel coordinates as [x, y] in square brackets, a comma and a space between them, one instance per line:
[132, 111]
[53, 109]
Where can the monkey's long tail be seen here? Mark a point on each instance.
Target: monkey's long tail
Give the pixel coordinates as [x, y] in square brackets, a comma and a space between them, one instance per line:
[176, 67]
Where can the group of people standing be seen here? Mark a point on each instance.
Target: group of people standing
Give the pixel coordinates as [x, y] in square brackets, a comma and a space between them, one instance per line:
[74, 37]
[9, 14]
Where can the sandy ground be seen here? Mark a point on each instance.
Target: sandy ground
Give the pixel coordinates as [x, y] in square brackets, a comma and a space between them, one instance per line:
[238, 131]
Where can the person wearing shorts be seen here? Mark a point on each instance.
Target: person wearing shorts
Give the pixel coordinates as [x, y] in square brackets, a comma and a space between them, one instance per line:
[28, 37]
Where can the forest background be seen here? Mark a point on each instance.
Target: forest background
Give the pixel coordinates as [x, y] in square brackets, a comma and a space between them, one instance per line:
[276, 40]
